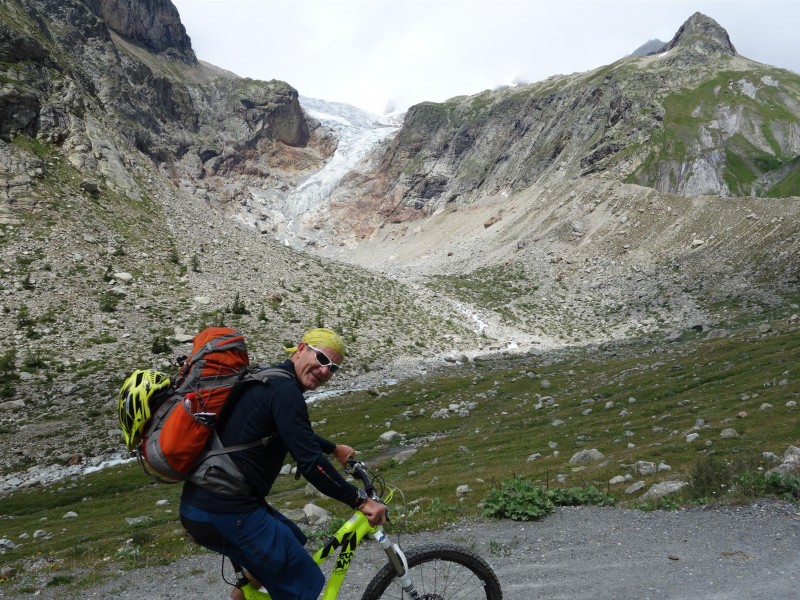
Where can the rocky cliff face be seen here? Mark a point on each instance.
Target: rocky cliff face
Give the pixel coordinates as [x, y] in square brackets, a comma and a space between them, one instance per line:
[110, 60]
[155, 24]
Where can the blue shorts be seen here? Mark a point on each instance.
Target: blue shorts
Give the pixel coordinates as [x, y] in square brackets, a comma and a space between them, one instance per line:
[265, 543]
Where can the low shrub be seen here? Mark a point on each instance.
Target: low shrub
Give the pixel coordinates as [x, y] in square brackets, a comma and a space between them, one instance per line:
[577, 496]
[713, 478]
[520, 499]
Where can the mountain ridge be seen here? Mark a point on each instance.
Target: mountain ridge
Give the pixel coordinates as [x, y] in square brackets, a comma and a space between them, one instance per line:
[601, 121]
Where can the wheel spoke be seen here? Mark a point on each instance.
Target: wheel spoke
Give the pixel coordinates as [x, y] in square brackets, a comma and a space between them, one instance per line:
[439, 572]
[446, 580]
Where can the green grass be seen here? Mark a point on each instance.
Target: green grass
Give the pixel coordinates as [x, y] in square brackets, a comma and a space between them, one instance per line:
[492, 287]
[503, 289]
[744, 163]
[789, 185]
[715, 384]
[88, 545]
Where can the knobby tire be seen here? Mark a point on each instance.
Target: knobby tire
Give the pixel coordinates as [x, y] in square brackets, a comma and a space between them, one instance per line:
[439, 572]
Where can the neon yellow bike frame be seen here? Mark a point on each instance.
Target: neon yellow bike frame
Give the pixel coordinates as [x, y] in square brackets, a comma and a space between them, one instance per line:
[347, 538]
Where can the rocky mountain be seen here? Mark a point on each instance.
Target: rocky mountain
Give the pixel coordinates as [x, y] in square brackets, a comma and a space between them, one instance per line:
[649, 47]
[698, 119]
[145, 194]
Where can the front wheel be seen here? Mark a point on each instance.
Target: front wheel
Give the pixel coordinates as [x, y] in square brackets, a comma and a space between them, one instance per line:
[439, 572]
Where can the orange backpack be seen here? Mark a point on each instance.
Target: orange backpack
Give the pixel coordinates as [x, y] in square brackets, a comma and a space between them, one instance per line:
[180, 441]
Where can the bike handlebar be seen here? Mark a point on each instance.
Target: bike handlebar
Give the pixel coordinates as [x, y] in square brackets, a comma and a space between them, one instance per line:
[358, 469]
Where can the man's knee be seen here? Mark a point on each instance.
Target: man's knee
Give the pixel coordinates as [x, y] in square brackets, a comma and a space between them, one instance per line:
[316, 583]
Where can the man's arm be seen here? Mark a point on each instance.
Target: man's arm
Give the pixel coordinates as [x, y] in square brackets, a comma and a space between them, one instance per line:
[327, 446]
[343, 453]
[306, 447]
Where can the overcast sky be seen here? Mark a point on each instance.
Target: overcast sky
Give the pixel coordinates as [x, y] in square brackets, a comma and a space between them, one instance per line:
[384, 55]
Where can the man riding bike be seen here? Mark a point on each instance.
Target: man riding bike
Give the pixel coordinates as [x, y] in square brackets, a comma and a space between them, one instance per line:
[245, 528]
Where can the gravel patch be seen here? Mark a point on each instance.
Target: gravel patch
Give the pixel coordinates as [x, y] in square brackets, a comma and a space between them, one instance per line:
[720, 553]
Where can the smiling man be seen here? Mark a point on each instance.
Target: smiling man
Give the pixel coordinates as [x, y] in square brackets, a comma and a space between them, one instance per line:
[244, 527]
[317, 358]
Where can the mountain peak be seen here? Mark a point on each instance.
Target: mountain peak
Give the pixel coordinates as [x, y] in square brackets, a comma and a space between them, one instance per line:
[703, 34]
[648, 48]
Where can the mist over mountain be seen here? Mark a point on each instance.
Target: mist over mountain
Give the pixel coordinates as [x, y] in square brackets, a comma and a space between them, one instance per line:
[649, 47]
[145, 194]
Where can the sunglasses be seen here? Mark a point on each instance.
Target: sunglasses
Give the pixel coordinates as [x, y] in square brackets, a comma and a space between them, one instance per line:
[324, 361]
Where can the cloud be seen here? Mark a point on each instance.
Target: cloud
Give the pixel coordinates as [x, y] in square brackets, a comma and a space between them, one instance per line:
[389, 54]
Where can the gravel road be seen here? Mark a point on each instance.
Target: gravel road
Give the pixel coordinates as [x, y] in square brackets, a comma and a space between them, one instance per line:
[723, 553]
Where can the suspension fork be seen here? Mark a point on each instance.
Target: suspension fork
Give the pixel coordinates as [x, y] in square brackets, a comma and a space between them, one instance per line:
[398, 561]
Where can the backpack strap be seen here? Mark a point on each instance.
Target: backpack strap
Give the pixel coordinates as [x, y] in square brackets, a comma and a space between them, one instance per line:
[265, 441]
[263, 373]
[249, 375]
[215, 470]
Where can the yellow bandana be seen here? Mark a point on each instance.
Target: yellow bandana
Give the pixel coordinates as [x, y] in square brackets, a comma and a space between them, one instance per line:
[321, 337]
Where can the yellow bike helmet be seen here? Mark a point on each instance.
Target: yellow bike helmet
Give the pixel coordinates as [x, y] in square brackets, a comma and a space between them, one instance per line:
[134, 402]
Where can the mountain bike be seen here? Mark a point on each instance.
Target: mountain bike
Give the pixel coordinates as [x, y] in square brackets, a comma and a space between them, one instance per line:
[440, 571]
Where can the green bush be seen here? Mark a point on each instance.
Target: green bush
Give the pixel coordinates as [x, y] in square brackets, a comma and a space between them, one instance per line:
[24, 319]
[8, 362]
[161, 344]
[710, 478]
[239, 307]
[7, 391]
[321, 535]
[34, 361]
[520, 500]
[783, 486]
[108, 302]
[8, 370]
[742, 478]
[585, 496]
[664, 503]
[60, 580]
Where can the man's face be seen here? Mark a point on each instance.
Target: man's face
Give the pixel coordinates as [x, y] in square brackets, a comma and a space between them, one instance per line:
[310, 373]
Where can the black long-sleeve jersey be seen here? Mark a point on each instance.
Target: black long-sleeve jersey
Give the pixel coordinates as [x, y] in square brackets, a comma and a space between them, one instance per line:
[275, 408]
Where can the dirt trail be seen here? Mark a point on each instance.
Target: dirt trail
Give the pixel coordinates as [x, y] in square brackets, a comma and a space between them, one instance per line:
[741, 553]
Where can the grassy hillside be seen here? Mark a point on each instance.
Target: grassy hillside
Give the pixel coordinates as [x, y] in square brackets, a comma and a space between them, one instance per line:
[755, 160]
[634, 402]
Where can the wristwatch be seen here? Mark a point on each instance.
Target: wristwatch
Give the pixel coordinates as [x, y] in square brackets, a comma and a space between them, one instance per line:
[361, 498]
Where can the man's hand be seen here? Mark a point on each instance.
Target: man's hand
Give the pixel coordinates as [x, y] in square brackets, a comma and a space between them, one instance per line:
[374, 511]
[342, 453]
